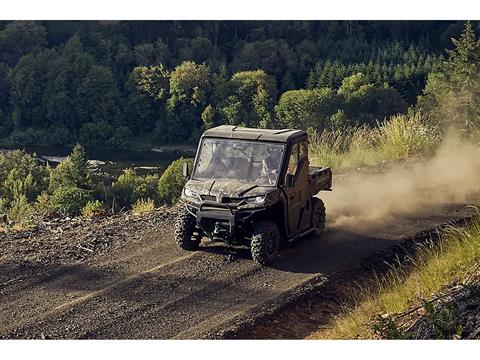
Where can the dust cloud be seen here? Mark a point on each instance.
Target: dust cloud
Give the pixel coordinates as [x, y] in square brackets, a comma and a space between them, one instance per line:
[452, 176]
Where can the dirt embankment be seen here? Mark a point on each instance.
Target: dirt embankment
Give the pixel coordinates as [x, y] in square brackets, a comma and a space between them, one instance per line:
[124, 277]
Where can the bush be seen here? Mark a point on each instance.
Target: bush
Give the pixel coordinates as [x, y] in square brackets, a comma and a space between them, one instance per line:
[402, 137]
[143, 206]
[172, 181]
[93, 208]
[104, 135]
[20, 174]
[72, 172]
[130, 187]
[28, 136]
[67, 200]
[21, 212]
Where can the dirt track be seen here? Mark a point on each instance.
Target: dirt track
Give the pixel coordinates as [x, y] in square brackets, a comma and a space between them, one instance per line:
[123, 277]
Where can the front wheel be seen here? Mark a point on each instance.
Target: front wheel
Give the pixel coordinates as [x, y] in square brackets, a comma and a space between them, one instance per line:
[187, 233]
[318, 216]
[265, 242]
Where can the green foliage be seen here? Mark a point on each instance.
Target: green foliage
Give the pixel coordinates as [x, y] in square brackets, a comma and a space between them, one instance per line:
[253, 95]
[451, 92]
[21, 175]
[103, 135]
[208, 117]
[67, 200]
[19, 38]
[143, 206]
[172, 181]
[130, 187]
[307, 108]
[93, 208]
[20, 212]
[190, 83]
[109, 86]
[72, 172]
[153, 80]
[401, 137]
[366, 103]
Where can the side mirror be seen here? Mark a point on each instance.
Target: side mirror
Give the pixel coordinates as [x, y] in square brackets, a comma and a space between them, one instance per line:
[289, 180]
[185, 171]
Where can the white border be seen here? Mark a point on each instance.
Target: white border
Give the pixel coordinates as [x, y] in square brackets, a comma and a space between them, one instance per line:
[240, 9]
[240, 350]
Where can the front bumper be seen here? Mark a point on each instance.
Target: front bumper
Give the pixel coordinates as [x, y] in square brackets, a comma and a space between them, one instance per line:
[211, 215]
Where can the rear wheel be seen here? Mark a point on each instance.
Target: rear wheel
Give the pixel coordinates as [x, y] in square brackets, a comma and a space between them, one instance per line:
[265, 242]
[187, 233]
[318, 216]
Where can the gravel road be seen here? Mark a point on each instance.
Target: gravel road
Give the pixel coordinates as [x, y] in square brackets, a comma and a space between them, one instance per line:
[123, 276]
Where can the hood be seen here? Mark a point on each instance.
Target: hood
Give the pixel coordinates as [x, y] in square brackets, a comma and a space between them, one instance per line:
[223, 188]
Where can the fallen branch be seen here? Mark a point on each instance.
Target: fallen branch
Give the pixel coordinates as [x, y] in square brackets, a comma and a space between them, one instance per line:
[84, 248]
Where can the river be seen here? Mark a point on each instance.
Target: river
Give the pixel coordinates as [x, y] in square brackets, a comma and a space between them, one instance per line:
[112, 162]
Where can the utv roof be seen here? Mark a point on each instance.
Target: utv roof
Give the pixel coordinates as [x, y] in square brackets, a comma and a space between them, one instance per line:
[236, 132]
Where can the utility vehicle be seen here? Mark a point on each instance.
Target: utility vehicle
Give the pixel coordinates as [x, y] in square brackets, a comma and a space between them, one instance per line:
[253, 187]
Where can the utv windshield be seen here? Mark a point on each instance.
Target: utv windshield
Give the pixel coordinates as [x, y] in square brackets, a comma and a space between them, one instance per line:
[241, 160]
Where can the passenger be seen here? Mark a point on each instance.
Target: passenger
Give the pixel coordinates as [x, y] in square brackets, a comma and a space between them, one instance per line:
[269, 171]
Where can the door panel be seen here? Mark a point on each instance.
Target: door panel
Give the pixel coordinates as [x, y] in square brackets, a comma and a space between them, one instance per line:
[297, 195]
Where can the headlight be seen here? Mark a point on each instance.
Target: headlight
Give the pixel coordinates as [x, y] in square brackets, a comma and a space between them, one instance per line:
[188, 192]
[256, 200]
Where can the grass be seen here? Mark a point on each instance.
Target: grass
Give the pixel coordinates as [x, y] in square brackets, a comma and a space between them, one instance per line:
[143, 206]
[432, 267]
[401, 137]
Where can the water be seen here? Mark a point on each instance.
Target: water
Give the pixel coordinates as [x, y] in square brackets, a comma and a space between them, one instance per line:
[112, 162]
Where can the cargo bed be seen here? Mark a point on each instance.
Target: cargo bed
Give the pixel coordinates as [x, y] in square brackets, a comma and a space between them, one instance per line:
[320, 178]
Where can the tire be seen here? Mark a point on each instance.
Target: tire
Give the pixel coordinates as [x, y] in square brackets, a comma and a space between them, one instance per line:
[187, 234]
[265, 242]
[318, 216]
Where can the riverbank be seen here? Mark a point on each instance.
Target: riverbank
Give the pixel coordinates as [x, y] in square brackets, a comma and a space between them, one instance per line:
[111, 163]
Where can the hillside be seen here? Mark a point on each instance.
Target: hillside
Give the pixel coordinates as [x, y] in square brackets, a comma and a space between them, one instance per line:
[124, 84]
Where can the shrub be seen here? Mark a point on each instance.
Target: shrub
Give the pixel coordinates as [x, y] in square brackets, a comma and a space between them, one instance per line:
[130, 187]
[93, 208]
[28, 136]
[20, 212]
[143, 206]
[403, 137]
[172, 181]
[398, 138]
[67, 200]
[72, 172]
[20, 174]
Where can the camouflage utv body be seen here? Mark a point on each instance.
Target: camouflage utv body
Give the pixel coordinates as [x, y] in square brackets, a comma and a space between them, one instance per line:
[253, 187]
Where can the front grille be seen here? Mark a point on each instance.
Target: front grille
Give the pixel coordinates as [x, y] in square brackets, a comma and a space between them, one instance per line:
[215, 208]
[228, 200]
[208, 197]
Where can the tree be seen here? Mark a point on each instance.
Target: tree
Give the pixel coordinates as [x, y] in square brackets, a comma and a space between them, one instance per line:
[97, 97]
[190, 84]
[172, 181]
[72, 172]
[153, 80]
[307, 108]
[365, 102]
[451, 93]
[252, 100]
[208, 117]
[19, 38]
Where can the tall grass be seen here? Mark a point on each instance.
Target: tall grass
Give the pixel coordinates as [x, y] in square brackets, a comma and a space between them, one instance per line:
[433, 267]
[401, 137]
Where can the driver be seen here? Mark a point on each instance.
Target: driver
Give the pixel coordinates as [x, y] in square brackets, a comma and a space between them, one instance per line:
[269, 171]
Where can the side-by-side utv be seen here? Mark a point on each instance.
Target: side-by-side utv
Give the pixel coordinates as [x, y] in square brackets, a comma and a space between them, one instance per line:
[254, 187]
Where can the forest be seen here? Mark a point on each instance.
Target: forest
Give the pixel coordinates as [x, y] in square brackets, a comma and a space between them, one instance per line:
[131, 84]
[398, 100]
